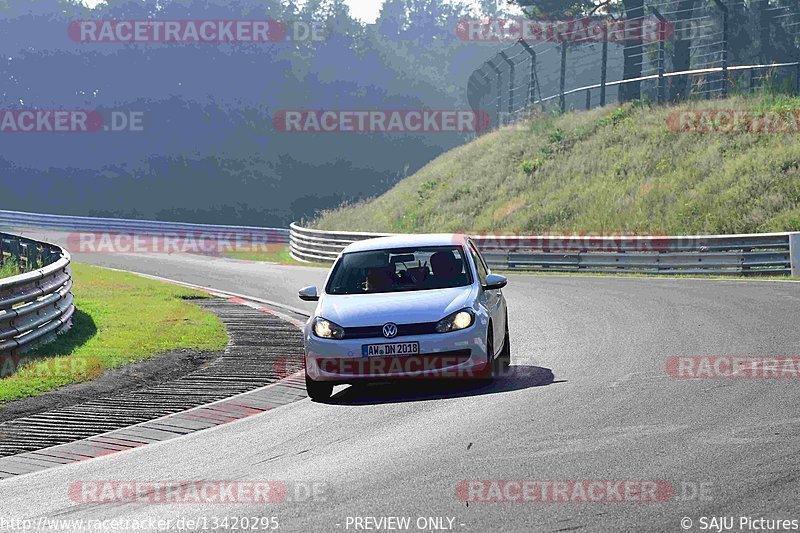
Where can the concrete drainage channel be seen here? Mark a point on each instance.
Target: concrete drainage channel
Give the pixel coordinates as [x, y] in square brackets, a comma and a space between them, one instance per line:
[258, 372]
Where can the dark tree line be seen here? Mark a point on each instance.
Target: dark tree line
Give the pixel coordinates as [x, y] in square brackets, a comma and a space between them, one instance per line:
[208, 150]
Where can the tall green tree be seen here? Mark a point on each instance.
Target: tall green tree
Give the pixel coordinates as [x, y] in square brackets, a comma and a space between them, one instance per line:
[558, 8]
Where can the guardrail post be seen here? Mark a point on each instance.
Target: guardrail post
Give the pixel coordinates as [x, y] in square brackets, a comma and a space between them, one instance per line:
[31, 258]
[24, 254]
[794, 253]
[13, 248]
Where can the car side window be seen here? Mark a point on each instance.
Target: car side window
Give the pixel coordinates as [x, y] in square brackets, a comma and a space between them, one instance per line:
[480, 266]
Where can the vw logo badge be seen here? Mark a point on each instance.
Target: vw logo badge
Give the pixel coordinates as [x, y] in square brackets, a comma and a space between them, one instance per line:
[389, 330]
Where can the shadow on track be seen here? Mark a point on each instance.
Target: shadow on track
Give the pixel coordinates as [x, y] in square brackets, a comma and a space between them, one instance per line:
[516, 377]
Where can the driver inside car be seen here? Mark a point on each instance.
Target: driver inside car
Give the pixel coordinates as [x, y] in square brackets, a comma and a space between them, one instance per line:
[445, 266]
[380, 279]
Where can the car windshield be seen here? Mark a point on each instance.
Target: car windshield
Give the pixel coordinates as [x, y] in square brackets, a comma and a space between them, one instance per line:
[400, 270]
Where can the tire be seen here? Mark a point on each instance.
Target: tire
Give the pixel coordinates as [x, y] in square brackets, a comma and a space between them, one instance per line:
[504, 358]
[318, 391]
[486, 375]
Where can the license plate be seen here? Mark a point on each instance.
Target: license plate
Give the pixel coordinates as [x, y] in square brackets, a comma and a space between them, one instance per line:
[394, 348]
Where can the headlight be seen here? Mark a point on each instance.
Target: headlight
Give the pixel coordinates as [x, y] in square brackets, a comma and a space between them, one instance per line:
[458, 320]
[327, 329]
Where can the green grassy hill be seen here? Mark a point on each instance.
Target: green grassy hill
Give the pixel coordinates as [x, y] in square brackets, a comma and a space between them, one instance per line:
[609, 169]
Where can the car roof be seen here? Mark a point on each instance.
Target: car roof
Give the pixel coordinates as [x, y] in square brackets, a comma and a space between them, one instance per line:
[407, 241]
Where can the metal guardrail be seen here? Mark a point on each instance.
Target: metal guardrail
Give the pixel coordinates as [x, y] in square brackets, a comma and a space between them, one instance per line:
[19, 219]
[775, 254]
[37, 305]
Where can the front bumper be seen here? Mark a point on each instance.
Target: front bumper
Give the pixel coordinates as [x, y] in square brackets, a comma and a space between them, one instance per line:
[458, 354]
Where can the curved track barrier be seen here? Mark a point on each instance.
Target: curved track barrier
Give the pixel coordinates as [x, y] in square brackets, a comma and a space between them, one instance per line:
[19, 219]
[37, 305]
[772, 254]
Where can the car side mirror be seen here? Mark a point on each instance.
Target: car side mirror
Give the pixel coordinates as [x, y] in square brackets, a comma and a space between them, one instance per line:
[495, 281]
[308, 294]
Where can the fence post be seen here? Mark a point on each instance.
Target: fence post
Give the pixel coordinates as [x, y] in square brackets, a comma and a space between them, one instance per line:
[604, 67]
[794, 253]
[725, 32]
[662, 55]
[797, 79]
[510, 82]
[562, 102]
[532, 86]
[499, 91]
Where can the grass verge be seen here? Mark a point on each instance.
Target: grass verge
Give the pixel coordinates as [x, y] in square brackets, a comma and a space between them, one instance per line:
[612, 169]
[120, 319]
[278, 254]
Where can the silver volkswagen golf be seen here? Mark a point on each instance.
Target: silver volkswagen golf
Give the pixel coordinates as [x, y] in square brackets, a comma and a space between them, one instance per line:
[407, 306]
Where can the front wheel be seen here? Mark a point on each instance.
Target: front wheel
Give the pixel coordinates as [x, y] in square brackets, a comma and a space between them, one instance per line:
[486, 375]
[504, 358]
[319, 391]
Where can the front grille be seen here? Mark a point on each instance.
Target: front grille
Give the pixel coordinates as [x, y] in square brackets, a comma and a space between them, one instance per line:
[403, 330]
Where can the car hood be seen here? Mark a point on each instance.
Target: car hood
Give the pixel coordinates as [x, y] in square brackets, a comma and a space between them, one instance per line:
[357, 310]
